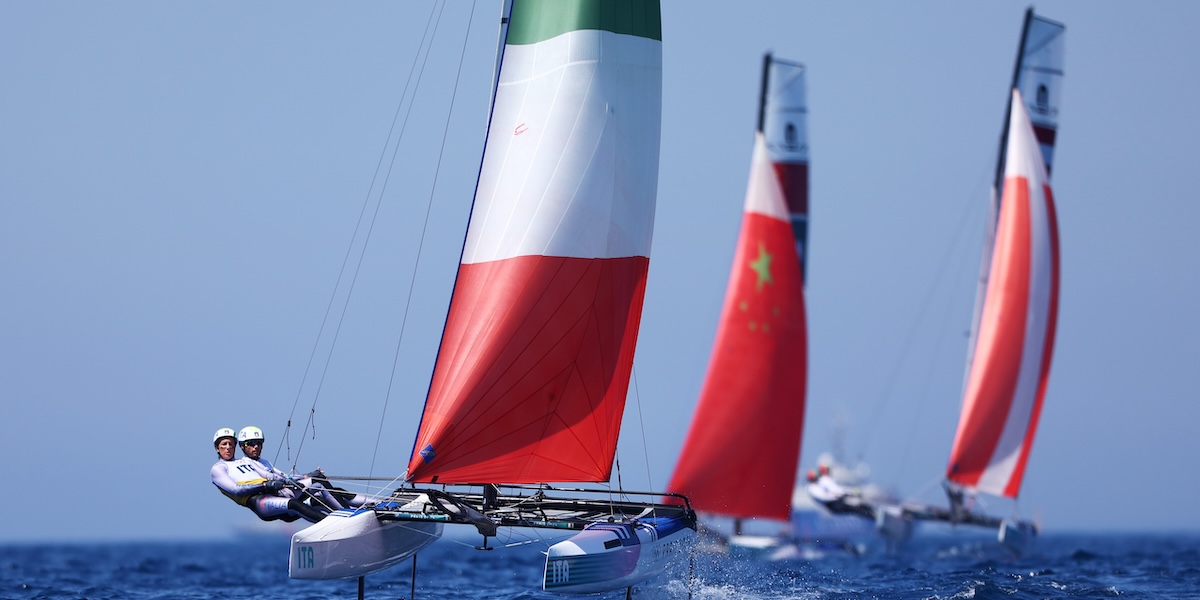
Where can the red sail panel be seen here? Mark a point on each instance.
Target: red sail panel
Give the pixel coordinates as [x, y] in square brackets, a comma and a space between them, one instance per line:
[740, 455]
[531, 389]
[1011, 363]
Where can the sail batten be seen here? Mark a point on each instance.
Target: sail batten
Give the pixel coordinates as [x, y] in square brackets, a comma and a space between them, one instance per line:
[530, 381]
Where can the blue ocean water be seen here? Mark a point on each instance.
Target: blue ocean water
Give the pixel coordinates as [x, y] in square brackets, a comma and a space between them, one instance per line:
[936, 567]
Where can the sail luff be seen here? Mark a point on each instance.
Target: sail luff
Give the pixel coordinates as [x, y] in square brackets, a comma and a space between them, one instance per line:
[530, 381]
[1010, 367]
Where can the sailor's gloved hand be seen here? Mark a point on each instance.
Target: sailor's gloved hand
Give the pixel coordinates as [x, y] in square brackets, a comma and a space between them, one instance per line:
[275, 485]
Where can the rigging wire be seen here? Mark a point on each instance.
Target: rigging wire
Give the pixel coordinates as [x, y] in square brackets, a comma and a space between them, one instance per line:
[346, 260]
[970, 209]
[425, 223]
[637, 397]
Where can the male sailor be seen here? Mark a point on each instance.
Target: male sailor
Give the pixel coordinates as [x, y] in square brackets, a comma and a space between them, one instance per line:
[240, 482]
[827, 491]
[313, 486]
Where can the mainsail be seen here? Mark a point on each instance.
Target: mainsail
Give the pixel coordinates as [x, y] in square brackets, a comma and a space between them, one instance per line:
[1011, 363]
[741, 452]
[530, 380]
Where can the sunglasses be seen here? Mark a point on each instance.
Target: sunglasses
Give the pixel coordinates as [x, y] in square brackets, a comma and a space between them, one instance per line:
[253, 443]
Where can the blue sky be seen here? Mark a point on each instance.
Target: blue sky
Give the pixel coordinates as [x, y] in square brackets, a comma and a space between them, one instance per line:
[179, 183]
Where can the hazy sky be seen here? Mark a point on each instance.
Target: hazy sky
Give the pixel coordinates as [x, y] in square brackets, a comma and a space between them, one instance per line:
[179, 184]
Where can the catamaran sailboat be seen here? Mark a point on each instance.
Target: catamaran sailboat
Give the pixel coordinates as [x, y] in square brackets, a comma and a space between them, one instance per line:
[1016, 316]
[740, 456]
[530, 380]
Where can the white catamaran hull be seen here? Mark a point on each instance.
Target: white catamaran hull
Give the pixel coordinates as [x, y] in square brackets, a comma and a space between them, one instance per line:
[1017, 536]
[894, 525]
[356, 543]
[608, 556]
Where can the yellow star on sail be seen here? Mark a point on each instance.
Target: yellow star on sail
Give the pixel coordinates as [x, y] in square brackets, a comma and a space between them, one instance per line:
[762, 267]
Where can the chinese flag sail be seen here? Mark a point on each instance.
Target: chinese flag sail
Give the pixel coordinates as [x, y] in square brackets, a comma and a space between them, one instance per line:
[740, 455]
[530, 380]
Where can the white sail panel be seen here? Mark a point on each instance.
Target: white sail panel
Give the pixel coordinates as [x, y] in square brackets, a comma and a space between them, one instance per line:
[559, 133]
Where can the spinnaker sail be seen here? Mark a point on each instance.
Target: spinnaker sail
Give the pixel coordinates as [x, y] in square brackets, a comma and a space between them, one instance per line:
[740, 456]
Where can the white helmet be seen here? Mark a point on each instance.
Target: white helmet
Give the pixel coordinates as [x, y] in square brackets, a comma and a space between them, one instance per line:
[223, 432]
[249, 433]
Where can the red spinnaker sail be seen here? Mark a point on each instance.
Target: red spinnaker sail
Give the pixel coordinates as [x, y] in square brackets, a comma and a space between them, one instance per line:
[530, 380]
[741, 452]
[1011, 363]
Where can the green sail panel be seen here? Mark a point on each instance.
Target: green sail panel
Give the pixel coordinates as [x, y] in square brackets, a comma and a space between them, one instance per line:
[536, 21]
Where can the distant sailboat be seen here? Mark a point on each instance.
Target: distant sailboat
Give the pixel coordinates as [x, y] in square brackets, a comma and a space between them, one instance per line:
[531, 376]
[1016, 315]
[740, 456]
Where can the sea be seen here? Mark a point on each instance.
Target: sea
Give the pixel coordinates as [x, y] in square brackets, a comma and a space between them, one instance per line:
[1060, 565]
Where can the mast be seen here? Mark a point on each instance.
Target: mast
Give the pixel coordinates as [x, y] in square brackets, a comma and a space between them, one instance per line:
[762, 95]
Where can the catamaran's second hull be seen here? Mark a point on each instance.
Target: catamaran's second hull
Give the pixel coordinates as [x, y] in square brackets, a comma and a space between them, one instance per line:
[356, 543]
[609, 556]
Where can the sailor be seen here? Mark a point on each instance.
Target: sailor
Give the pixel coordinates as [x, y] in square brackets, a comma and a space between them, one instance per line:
[225, 443]
[314, 487]
[239, 481]
[823, 488]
